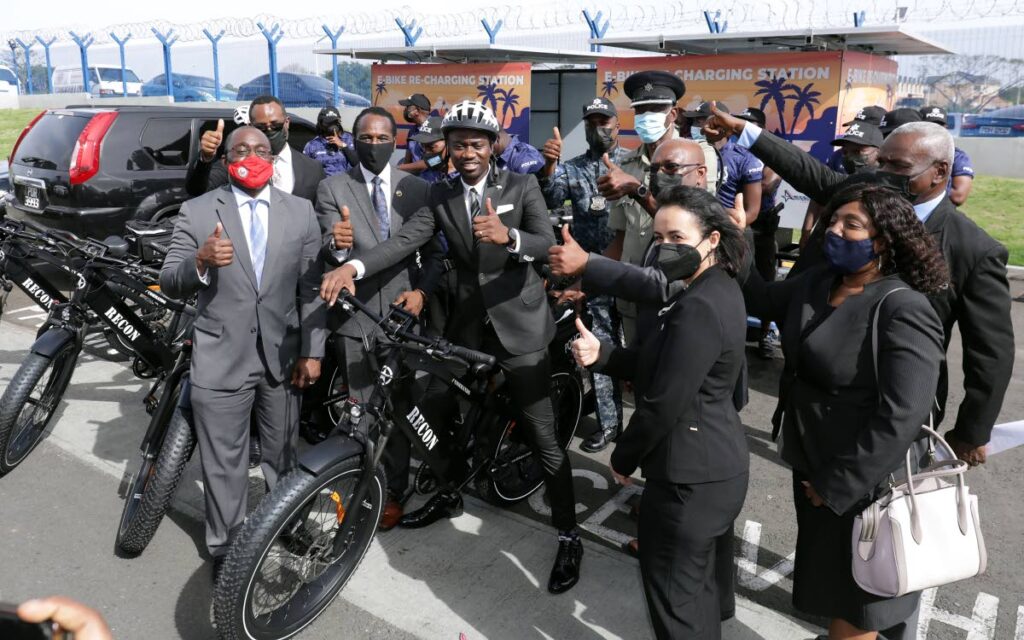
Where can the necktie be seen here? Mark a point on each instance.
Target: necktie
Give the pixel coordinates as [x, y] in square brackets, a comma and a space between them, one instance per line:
[276, 180]
[380, 204]
[257, 242]
[474, 203]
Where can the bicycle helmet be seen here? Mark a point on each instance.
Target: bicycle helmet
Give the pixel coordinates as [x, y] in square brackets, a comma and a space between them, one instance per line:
[241, 116]
[470, 114]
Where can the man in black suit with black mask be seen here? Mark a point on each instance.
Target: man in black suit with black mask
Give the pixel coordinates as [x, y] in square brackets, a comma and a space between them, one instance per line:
[498, 231]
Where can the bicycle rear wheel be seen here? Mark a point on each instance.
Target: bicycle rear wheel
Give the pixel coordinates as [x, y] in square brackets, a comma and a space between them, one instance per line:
[515, 472]
[278, 575]
[30, 401]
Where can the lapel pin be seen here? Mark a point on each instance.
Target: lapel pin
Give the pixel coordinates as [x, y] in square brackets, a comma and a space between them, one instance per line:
[398, 194]
[497, 186]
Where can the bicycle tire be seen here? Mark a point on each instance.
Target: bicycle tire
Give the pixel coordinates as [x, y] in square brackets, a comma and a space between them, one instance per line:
[149, 496]
[233, 594]
[525, 477]
[16, 397]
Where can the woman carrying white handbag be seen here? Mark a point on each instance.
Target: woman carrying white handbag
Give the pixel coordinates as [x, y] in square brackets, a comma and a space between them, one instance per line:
[844, 430]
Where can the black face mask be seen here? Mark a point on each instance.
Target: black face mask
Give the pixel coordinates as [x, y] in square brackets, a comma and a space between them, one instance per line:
[897, 182]
[374, 156]
[678, 261]
[661, 182]
[854, 164]
[407, 115]
[599, 139]
[277, 140]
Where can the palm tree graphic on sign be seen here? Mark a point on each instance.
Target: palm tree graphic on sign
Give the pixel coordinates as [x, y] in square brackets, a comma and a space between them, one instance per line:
[774, 90]
[609, 88]
[805, 99]
[381, 89]
[488, 93]
[509, 101]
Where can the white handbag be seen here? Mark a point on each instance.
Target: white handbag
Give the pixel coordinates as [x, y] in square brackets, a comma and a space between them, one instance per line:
[925, 532]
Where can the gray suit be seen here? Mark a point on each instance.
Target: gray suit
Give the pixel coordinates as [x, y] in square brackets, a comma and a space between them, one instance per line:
[246, 342]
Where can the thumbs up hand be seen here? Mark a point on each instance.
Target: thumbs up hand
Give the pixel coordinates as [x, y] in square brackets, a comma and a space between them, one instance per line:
[567, 259]
[488, 227]
[552, 152]
[342, 231]
[586, 348]
[215, 252]
[210, 142]
[616, 183]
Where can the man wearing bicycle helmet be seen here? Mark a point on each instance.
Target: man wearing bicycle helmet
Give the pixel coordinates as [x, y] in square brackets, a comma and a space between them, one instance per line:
[498, 229]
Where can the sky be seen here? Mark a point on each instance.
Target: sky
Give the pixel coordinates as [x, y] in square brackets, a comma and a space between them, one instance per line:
[242, 59]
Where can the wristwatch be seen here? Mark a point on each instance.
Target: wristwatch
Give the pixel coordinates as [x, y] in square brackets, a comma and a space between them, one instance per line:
[513, 237]
[641, 192]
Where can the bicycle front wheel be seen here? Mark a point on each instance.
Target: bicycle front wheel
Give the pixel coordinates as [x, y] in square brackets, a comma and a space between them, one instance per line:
[281, 571]
[30, 401]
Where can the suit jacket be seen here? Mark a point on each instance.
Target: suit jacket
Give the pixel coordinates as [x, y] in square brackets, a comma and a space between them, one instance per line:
[492, 283]
[233, 314]
[419, 271]
[978, 298]
[207, 176]
[841, 426]
[686, 428]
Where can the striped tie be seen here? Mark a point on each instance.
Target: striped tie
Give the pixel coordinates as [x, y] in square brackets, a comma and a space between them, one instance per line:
[257, 242]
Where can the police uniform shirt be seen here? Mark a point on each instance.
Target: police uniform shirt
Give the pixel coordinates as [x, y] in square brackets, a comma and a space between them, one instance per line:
[739, 167]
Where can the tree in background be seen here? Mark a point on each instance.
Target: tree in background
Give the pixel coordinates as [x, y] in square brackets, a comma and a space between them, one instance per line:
[353, 77]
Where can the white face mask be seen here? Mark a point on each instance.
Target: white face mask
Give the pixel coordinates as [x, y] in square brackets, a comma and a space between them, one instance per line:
[696, 133]
[650, 126]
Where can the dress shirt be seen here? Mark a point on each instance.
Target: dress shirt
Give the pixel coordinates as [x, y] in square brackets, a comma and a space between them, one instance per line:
[245, 217]
[284, 170]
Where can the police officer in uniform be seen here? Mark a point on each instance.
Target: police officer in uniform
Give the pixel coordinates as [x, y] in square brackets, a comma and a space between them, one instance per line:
[961, 176]
[653, 96]
[576, 180]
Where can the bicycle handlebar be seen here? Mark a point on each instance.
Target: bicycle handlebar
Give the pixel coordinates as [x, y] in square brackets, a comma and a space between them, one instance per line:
[439, 345]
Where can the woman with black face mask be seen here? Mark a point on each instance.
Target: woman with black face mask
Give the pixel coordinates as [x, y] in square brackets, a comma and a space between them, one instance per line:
[685, 435]
[844, 430]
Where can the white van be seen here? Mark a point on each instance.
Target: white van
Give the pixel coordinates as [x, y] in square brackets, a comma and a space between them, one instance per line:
[104, 80]
[8, 82]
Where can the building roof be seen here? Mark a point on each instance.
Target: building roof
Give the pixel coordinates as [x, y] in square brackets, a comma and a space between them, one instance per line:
[483, 52]
[882, 40]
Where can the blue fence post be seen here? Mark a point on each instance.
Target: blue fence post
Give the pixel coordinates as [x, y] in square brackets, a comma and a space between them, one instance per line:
[714, 26]
[120, 46]
[273, 36]
[13, 44]
[28, 63]
[333, 37]
[492, 32]
[49, 69]
[410, 31]
[167, 39]
[216, 62]
[597, 30]
[83, 46]
[858, 18]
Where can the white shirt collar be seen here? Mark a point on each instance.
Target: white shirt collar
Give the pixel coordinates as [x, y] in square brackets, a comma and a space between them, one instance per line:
[385, 175]
[285, 157]
[925, 209]
[242, 197]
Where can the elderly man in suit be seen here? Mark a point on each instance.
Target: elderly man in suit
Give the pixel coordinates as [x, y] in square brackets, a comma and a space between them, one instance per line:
[498, 231]
[359, 210]
[294, 172]
[250, 251]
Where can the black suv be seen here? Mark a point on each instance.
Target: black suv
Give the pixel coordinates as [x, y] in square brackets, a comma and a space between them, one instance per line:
[90, 169]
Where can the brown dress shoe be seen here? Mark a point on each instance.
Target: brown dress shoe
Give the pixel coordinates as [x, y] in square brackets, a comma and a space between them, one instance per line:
[392, 514]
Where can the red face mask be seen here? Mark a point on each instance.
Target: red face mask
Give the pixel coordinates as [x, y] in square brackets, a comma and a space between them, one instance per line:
[252, 172]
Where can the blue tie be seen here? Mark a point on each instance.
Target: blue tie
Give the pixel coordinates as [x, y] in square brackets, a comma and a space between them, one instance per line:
[380, 204]
[257, 242]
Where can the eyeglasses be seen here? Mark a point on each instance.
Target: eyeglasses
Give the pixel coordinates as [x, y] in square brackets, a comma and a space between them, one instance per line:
[674, 168]
[244, 151]
[269, 127]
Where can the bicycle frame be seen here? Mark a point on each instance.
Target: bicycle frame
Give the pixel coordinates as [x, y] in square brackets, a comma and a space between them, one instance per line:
[16, 266]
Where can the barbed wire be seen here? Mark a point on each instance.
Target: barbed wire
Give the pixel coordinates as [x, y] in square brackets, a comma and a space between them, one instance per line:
[674, 15]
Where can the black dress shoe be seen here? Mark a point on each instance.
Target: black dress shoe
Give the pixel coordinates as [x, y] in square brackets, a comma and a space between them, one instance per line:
[600, 440]
[566, 571]
[441, 505]
[218, 564]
